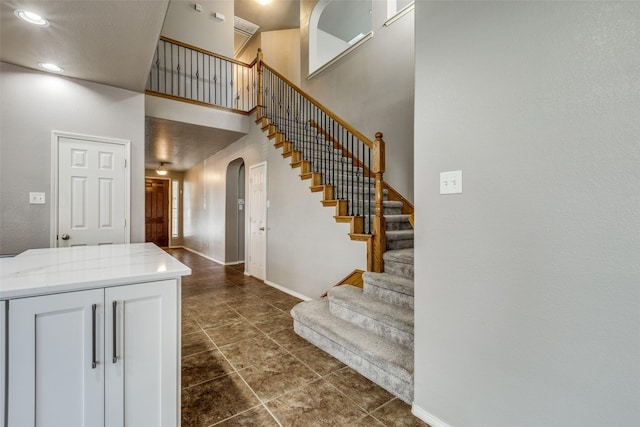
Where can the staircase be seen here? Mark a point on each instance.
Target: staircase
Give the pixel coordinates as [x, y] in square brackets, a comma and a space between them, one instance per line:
[369, 329]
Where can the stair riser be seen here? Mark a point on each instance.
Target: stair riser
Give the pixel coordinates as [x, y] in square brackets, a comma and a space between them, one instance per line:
[399, 244]
[399, 269]
[371, 209]
[397, 226]
[403, 338]
[389, 296]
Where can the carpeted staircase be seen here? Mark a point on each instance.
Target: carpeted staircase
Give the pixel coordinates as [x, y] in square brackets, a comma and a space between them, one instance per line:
[368, 329]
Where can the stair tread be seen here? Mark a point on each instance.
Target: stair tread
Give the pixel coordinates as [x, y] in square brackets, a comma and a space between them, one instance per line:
[404, 256]
[397, 218]
[389, 281]
[400, 234]
[355, 300]
[385, 354]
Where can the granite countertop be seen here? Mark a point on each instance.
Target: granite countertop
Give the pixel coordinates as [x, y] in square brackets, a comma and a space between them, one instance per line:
[47, 271]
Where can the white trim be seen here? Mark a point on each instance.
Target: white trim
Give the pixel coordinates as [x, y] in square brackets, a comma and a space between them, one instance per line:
[203, 255]
[55, 142]
[400, 14]
[287, 291]
[342, 54]
[428, 418]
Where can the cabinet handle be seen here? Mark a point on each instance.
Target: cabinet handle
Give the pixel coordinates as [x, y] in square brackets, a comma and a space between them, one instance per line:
[94, 362]
[115, 310]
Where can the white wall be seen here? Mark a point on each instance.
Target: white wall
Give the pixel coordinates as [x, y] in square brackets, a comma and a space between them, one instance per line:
[36, 103]
[372, 88]
[203, 30]
[527, 284]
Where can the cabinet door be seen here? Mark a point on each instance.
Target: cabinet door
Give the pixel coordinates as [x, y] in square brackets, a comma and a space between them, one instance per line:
[141, 373]
[54, 341]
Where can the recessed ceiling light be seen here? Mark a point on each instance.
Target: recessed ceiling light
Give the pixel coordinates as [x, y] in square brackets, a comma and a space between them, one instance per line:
[31, 18]
[50, 67]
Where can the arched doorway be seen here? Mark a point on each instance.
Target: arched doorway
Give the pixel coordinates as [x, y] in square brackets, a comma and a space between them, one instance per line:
[235, 212]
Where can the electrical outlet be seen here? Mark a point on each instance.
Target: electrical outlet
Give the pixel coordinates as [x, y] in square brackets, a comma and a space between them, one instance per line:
[451, 182]
[36, 198]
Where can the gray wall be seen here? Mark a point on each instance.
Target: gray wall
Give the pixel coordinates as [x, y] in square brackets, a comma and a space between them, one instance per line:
[205, 187]
[34, 104]
[372, 88]
[307, 251]
[203, 30]
[527, 284]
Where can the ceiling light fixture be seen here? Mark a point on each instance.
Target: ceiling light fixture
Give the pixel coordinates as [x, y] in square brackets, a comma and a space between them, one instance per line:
[31, 18]
[264, 2]
[50, 67]
[161, 170]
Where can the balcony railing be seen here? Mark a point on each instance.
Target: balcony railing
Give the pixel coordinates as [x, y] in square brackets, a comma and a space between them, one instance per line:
[189, 73]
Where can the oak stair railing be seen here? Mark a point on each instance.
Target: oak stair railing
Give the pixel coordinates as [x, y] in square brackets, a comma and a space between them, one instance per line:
[340, 162]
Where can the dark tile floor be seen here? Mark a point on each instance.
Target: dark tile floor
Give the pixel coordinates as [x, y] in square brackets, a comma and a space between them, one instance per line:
[243, 365]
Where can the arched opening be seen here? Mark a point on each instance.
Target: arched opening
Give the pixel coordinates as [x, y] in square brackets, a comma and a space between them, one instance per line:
[235, 212]
[336, 27]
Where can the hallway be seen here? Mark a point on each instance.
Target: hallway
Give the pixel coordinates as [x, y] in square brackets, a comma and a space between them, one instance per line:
[243, 365]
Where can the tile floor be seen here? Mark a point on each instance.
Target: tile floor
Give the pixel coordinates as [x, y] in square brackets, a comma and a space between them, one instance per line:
[243, 365]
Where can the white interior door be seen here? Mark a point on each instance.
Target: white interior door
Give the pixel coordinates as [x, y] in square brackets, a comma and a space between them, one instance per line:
[257, 220]
[92, 192]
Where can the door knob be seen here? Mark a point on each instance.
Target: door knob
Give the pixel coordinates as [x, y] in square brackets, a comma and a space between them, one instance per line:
[261, 229]
[65, 236]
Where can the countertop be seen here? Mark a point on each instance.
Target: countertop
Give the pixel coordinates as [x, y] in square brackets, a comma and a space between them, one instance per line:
[47, 271]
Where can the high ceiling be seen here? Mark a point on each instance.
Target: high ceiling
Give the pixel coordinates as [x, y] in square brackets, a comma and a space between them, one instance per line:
[112, 42]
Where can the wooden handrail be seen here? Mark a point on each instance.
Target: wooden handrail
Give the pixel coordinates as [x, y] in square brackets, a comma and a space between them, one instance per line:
[207, 52]
[328, 112]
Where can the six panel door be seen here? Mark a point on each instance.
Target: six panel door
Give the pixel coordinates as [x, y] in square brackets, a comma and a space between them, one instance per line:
[91, 192]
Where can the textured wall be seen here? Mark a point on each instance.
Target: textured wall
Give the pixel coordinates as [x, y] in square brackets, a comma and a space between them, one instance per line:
[527, 284]
[34, 104]
[203, 30]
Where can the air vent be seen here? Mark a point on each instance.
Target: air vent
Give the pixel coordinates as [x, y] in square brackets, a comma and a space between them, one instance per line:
[244, 26]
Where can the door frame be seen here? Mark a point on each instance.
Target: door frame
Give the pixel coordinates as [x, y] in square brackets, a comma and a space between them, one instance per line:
[55, 148]
[247, 247]
[170, 206]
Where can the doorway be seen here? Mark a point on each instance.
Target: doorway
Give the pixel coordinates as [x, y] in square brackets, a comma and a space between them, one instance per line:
[90, 181]
[156, 207]
[257, 220]
[235, 212]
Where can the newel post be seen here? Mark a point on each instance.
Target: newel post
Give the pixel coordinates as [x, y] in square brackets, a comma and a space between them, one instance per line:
[379, 225]
[259, 98]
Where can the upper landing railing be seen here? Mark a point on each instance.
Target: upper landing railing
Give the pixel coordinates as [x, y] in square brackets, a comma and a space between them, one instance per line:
[348, 162]
[191, 74]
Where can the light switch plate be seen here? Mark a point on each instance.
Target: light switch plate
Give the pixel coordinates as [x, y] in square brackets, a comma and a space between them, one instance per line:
[451, 182]
[36, 198]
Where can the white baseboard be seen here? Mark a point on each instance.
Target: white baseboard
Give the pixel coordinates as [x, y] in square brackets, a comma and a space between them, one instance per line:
[208, 257]
[203, 255]
[428, 418]
[288, 291]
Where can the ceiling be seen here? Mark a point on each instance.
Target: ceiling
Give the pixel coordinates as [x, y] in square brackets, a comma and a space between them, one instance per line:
[112, 42]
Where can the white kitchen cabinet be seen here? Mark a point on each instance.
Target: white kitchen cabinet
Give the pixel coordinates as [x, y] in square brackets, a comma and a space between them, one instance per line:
[69, 366]
[141, 370]
[53, 343]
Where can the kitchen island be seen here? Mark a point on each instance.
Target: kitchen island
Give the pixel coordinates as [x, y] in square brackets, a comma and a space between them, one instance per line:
[91, 336]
